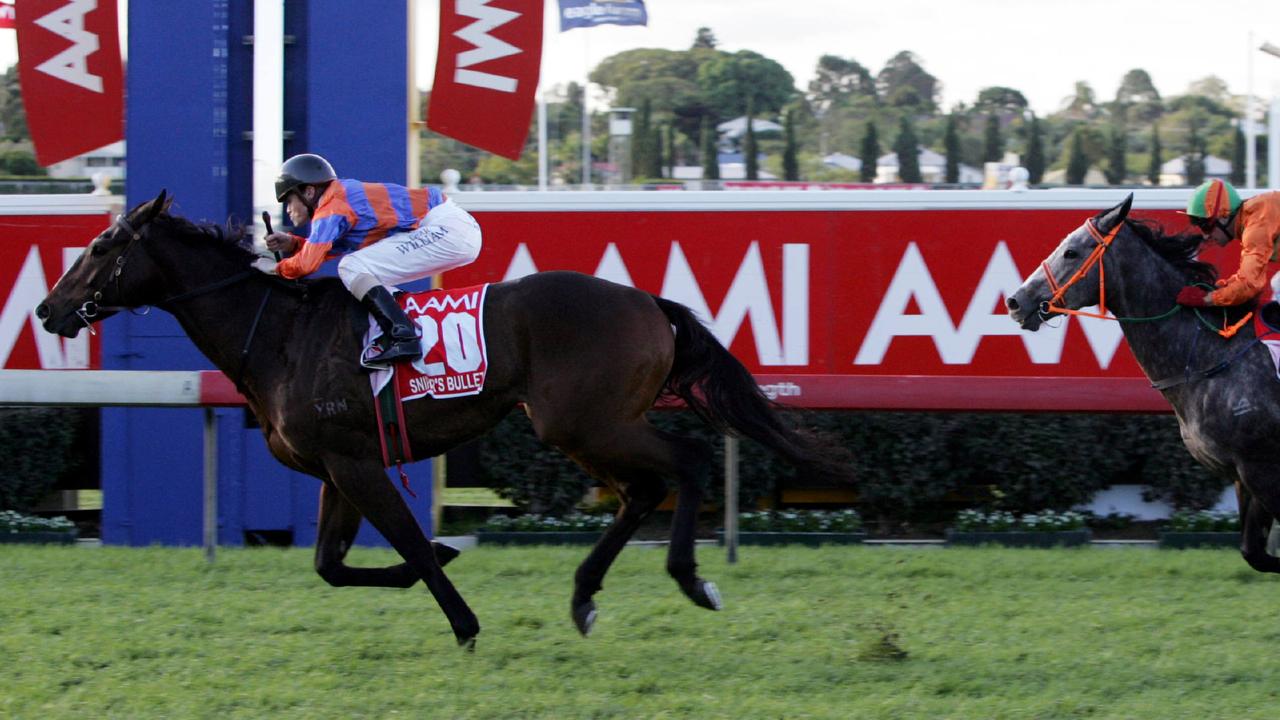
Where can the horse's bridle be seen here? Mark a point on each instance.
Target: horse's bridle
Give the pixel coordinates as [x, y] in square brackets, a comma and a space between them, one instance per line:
[92, 307]
[1095, 258]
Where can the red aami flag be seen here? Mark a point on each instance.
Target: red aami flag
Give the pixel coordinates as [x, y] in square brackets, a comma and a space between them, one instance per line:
[6, 16]
[487, 73]
[71, 76]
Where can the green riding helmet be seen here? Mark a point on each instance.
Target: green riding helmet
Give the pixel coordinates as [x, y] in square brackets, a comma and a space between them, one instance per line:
[304, 169]
[1214, 199]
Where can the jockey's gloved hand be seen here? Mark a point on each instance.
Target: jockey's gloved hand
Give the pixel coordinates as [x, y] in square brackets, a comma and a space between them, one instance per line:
[1193, 296]
[265, 265]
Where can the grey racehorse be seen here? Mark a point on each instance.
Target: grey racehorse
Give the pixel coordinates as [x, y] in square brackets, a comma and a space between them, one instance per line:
[1223, 390]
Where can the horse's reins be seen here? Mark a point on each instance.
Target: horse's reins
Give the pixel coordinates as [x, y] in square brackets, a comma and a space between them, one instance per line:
[92, 308]
[1052, 305]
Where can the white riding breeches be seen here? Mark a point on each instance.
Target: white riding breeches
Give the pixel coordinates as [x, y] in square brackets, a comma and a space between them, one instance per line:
[448, 237]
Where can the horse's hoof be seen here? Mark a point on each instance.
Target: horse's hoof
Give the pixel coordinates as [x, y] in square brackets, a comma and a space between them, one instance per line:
[444, 553]
[708, 596]
[468, 644]
[584, 616]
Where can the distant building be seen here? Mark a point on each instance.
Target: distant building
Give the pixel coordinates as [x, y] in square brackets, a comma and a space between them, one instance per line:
[109, 159]
[732, 167]
[843, 162]
[736, 129]
[1174, 172]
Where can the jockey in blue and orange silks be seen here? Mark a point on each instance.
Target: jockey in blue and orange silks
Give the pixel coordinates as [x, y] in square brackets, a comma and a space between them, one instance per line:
[386, 234]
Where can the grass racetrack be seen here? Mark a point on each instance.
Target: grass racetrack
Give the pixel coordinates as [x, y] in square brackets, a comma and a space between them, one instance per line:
[805, 633]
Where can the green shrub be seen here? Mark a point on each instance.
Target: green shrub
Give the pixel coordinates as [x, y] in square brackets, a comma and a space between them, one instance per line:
[1205, 521]
[800, 521]
[13, 522]
[36, 444]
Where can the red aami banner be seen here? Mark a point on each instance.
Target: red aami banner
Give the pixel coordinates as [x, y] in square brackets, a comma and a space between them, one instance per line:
[7, 21]
[868, 294]
[35, 252]
[487, 73]
[71, 76]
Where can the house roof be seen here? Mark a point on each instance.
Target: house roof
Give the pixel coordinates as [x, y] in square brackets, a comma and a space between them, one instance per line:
[737, 127]
[1213, 165]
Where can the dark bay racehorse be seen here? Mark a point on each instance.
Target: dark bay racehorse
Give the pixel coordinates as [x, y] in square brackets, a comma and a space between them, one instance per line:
[1223, 391]
[586, 357]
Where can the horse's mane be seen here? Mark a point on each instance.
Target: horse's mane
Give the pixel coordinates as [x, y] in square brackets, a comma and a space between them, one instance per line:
[1179, 250]
[233, 239]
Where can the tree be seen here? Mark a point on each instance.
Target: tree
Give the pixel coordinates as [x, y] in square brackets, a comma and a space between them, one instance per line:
[1077, 161]
[992, 143]
[653, 168]
[1195, 154]
[670, 156]
[642, 149]
[790, 163]
[838, 80]
[1082, 104]
[1000, 100]
[705, 39]
[710, 155]
[749, 149]
[729, 81]
[908, 150]
[1035, 153]
[869, 153]
[1136, 87]
[903, 82]
[951, 145]
[1238, 157]
[13, 114]
[1153, 168]
[1116, 148]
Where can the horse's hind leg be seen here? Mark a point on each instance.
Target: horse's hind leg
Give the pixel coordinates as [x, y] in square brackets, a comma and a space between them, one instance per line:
[369, 491]
[338, 524]
[638, 458]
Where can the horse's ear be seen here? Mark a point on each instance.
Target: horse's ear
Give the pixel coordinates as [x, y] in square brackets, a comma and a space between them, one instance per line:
[1109, 219]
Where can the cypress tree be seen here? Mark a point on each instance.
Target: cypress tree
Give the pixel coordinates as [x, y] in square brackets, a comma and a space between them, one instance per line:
[654, 156]
[671, 150]
[951, 143]
[908, 149]
[1153, 168]
[992, 143]
[790, 163]
[710, 160]
[1077, 162]
[1237, 157]
[1195, 156]
[749, 149]
[1116, 167]
[1035, 153]
[641, 139]
[869, 154]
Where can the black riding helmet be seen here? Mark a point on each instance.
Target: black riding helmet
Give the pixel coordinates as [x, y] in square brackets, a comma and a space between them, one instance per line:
[304, 169]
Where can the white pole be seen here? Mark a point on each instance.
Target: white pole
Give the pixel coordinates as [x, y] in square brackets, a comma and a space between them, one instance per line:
[268, 105]
[542, 140]
[731, 499]
[1250, 132]
[586, 114]
[413, 169]
[1273, 143]
[210, 484]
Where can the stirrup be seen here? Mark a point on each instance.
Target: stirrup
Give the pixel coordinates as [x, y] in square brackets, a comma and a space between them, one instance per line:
[399, 350]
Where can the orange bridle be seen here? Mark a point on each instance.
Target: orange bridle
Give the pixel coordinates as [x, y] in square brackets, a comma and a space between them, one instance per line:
[1095, 258]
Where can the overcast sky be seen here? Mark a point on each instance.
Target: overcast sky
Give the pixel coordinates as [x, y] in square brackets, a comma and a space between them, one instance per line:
[1040, 47]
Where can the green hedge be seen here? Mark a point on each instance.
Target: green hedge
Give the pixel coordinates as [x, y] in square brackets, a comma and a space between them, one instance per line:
[37, 445]
[910, 467]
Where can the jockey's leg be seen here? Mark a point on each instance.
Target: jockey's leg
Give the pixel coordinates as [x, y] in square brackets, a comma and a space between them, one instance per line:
[447, 238]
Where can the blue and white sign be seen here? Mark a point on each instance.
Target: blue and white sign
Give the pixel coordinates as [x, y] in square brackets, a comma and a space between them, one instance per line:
[589, 13]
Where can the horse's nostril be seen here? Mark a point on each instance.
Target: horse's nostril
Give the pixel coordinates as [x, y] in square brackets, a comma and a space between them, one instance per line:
[42, 311]
[1011, 303]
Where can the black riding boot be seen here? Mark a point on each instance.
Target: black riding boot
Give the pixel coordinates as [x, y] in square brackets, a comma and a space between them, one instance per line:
[396, 328]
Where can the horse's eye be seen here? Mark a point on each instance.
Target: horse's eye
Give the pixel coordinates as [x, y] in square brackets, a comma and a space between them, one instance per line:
[1071, 254]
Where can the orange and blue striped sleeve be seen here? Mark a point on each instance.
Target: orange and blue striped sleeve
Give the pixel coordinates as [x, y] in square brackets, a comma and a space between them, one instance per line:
[332, 219]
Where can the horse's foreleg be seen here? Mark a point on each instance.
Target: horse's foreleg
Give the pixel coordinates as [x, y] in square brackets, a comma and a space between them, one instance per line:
[339, 521]
[372, 495]
[1255, 526]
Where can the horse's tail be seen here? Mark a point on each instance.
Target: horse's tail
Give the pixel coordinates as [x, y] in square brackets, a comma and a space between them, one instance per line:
[712, 383]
